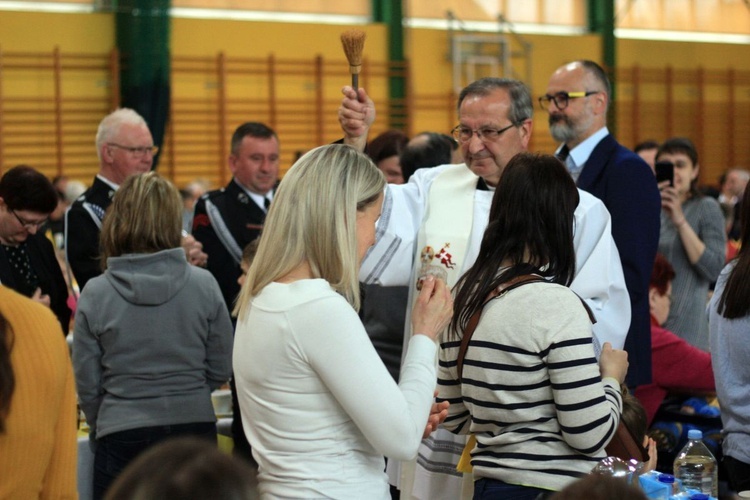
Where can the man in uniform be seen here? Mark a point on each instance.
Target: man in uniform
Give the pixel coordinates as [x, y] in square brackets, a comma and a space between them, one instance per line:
[125, 147]
[227, 219]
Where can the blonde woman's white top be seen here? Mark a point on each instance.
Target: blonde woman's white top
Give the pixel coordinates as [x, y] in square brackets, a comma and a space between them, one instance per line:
[319, 408]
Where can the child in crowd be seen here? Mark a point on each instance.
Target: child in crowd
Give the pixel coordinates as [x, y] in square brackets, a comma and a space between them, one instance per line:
[248, 254]
[635, 419]
[185, 468]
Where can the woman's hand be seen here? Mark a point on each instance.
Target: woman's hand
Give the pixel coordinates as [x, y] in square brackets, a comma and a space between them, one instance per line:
[438, 412]
[433, 308]
[670, 201]
[691, 242]
[40, 297]
[613, 363]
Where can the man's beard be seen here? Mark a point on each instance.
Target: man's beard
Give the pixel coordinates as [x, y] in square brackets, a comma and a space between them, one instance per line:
[561, 128]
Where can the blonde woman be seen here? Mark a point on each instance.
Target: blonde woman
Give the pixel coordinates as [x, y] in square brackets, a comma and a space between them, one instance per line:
[319, 407]
[152, 336]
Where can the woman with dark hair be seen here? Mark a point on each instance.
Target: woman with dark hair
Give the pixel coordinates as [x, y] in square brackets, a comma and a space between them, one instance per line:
[28, 263]
[37, 403]
[152, 335]
[729, 321]
[693, 240]
[530, 390]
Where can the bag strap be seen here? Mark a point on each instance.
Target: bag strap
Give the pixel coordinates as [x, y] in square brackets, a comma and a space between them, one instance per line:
[474, 320]
[623, 445]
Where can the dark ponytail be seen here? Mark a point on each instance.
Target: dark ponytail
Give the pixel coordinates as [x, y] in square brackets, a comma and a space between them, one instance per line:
[7, 379]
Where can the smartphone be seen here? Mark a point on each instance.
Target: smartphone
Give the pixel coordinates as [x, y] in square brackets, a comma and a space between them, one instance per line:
[664, 172]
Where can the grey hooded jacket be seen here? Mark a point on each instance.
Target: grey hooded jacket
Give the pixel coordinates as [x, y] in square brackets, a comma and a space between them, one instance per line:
[152, 339]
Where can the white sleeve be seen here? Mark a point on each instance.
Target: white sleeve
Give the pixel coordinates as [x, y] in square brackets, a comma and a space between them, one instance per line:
[599, 278]
[392, 417]
[389, 262]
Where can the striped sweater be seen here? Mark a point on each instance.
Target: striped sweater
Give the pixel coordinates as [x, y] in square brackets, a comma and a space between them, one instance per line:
[531, 390]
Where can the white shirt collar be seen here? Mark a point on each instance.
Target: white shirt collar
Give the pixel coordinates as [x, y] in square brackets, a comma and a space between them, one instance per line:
[259, 199]
[580, 154]
[107, 182]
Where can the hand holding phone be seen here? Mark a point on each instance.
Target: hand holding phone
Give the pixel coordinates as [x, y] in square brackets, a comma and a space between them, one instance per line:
[664, 172]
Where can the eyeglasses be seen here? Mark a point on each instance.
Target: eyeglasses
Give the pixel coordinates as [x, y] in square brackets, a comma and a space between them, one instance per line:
[562, 99]
[138, 152]
[27, 224]
[485, 134]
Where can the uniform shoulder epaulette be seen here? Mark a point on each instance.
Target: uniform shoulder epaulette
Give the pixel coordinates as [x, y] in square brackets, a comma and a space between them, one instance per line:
[212, 194]
[81, 199]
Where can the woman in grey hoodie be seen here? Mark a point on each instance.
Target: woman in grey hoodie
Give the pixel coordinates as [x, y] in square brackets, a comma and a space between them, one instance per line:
[152, 335]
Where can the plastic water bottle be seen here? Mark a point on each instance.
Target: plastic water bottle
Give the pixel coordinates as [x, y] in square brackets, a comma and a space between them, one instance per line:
[696, 467]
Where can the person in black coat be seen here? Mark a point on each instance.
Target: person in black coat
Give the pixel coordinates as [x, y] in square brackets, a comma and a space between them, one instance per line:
[125, 147]
[227, 219]
[28, 263]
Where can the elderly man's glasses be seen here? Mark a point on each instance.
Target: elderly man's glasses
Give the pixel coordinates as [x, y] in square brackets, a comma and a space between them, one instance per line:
[562, 99]
[485, 134]
[137, 152]
[28, 225]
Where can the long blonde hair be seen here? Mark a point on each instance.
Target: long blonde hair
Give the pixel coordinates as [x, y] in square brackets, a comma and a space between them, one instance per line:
[313, 219]
[145, 217]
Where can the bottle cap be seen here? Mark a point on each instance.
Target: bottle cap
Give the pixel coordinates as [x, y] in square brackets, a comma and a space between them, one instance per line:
[666, 478]
[695, 434]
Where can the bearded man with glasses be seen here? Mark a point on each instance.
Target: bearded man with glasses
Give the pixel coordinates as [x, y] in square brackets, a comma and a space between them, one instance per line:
[433, 225]
[577, 99]
[28, 263]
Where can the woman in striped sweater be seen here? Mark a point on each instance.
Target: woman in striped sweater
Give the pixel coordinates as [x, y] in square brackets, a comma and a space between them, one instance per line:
[531, 391]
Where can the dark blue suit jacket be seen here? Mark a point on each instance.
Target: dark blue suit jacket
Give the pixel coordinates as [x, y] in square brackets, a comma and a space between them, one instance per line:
[627, 187]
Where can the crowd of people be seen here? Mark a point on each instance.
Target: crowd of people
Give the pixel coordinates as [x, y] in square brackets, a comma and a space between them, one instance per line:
[324, 299]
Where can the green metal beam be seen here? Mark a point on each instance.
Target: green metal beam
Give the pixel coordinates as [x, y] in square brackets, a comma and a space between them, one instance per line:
[390, 12]
[142, 29]
[601, 18]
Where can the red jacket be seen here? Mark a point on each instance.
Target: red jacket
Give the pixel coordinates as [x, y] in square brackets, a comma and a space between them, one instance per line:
[677, 366]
